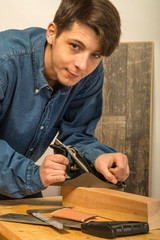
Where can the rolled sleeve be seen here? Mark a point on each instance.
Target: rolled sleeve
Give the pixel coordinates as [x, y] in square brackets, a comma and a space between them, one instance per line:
[19, 176]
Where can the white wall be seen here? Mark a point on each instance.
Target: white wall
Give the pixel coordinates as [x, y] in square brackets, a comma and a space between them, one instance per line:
[22, 14]
[140, 22]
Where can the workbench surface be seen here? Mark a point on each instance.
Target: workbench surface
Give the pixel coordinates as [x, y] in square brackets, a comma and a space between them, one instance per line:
[21, 231]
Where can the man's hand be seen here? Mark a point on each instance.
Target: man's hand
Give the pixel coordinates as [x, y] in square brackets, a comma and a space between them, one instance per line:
[113, 166]
[53, 169]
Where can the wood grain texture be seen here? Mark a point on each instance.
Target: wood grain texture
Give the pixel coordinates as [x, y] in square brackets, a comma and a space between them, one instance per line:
[113, 204]
[126, 121]
[20, 231]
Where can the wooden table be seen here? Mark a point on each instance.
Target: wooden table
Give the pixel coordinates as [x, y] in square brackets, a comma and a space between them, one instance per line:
[21, 231]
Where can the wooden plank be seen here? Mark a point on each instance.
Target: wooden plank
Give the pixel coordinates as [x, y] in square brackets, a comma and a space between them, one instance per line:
[113, 204]
[35, 232]
[126, 121]
[20, 231]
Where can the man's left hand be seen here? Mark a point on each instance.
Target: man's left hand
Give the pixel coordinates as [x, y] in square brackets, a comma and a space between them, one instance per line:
[113, 166]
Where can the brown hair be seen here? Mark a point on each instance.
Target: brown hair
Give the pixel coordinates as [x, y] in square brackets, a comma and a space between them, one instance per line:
[100, 15]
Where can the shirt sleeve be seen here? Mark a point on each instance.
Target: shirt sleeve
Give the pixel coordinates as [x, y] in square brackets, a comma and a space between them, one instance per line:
[81, 118]
[19, 176]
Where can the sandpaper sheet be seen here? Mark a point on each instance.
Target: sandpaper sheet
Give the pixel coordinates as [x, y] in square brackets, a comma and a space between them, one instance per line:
[73, 214]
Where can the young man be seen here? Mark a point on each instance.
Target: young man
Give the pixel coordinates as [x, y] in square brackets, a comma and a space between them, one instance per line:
[52, 81]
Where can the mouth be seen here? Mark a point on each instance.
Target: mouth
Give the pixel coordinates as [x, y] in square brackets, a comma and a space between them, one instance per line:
[71, 74]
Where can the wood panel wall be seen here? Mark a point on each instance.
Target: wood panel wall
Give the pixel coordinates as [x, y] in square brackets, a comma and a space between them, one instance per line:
[126, 121]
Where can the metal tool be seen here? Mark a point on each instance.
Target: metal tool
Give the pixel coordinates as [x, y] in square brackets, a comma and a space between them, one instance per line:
[107, 229]
[37, 213]
[114, 229]
[21, 218]
[80, 172]
[32, 218]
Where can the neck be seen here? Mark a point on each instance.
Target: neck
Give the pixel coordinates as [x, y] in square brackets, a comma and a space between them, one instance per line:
[48, 69]
[54, 84]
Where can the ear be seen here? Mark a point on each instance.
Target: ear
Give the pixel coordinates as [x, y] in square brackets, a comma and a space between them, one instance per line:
[51, 32]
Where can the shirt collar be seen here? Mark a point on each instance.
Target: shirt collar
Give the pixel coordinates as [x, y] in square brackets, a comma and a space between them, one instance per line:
[38, 63]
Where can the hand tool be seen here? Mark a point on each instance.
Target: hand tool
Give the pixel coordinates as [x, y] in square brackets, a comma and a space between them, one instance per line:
[105, 229]
[37, 213]
[34, 217]
[108, 229]
[80, 172]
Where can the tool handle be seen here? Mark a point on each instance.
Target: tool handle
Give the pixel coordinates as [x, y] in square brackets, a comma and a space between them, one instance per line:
[106, 230]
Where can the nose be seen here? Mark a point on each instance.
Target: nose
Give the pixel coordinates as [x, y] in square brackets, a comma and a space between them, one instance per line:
[81, 62]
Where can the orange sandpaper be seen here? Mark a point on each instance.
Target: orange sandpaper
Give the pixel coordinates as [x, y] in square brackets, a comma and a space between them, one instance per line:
[73, 214]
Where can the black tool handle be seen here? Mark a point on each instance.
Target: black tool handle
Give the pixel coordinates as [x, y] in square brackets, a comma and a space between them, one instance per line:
[107, 230]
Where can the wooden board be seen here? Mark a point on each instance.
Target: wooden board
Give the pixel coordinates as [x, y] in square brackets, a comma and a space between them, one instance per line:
[113, 204]
[126, 121]
[19, 231]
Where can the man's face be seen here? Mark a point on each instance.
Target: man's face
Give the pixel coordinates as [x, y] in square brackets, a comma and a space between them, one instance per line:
[73, 55]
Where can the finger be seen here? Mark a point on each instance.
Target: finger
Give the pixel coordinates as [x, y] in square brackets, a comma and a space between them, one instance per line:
[54, 179]
[54, 172]
[55, 166]
[57, 176]
[120, 162]
[58, 158]
[109, 176]
[49, 176]
[121, 171]
[57, 173]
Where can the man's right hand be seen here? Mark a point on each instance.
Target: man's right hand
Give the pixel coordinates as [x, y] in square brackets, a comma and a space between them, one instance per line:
[53, 169]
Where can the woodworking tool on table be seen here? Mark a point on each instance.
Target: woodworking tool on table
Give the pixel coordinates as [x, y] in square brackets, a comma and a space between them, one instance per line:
[80, 172]
[103, 229]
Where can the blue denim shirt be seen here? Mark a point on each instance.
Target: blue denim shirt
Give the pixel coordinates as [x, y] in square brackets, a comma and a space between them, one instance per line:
[31, 115]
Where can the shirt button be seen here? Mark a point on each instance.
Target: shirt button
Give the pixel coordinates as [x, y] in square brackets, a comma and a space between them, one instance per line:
[31, 149]
[42, 127]
[37, 91]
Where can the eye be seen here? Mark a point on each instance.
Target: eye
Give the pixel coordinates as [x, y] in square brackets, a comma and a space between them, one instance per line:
[96, 55]
[75, 46]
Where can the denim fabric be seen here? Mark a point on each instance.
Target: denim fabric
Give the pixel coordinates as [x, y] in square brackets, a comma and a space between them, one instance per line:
[31, 115]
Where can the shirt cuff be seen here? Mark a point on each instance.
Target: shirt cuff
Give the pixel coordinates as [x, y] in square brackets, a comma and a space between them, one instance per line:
[34, 182]
[93, 154]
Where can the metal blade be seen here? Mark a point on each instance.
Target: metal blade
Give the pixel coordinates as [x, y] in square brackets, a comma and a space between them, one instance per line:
[48, 220]
[68, 223]
[88, 180]
[43, 210]
[22, 218]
